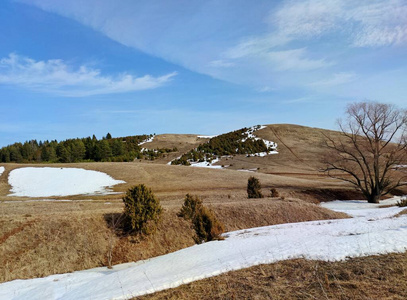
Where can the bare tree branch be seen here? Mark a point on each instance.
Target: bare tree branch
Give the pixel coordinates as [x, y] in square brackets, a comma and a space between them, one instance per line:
[373, 143]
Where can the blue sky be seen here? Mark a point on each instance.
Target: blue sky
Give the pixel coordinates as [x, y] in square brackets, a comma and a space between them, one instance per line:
[76, 68]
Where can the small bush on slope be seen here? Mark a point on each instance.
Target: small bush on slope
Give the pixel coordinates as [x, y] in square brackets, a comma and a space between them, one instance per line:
[141, 209]
[189, 208]
[207, 227]
[254, 188]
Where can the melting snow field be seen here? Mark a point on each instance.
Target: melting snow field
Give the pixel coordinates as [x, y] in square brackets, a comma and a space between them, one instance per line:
[47, 182]
[374, 231]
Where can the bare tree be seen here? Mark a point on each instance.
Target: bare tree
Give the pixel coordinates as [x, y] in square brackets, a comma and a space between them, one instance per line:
[372, 149]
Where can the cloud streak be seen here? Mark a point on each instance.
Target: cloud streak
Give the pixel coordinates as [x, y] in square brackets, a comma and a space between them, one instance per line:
[300, 44]
[374, 23]
[336, 79]
[54, 76]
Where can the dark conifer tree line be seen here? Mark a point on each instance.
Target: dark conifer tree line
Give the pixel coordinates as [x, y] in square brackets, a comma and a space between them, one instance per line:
[80, 149]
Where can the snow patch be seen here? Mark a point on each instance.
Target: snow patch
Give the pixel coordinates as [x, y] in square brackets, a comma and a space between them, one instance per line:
[329, 240]
[248, 170]
[207, 164]
[1, 170]
[262, 154]
[272, 146]
[361, 208]
[47, 182]
[149, 140]
[206, 136]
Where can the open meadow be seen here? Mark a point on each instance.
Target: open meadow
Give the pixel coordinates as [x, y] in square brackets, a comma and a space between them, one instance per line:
[55, 234]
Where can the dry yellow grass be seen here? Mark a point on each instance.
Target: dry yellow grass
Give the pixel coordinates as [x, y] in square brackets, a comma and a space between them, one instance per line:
[51, 245]
[43, 238]
[267, 211]
[294, 170]
[183, 142]
[173, 181]
[374, 277]
[300, 150]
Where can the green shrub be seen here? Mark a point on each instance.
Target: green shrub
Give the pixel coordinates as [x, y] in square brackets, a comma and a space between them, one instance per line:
[188, 209]
[254, 188]
[207, 226]
[141, 209]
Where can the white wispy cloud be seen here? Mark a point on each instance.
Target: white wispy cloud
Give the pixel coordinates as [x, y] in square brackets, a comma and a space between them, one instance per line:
[373, 23]
[279, 44]
[295, 59]
[336, 79]
[256, 45]
[382, 23]
[306, 18]
[56, 77]
[221, 63]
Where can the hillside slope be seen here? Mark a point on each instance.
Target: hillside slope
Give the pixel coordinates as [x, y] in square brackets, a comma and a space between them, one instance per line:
[300, 149]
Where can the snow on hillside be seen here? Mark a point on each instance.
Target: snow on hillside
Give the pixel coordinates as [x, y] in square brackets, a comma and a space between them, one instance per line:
[1, 170]
[149, 140]
[207, 164]
[46, 182]
[374, 231]
[250, 135]
[206, 136]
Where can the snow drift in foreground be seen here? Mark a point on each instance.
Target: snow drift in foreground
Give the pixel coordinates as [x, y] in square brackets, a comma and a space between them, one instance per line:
[1, 170]
[374, 231]
[46, 182]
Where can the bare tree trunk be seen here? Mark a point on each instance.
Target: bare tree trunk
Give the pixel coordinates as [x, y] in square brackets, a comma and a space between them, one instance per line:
[374, 197]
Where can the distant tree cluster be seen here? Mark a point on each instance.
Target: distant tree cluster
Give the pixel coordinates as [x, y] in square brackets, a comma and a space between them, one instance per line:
[77, 150]
[152, 154]
[236, 142]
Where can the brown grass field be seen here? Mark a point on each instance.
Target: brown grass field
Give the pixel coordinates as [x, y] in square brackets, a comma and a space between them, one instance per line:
[43, 238]
[374, 277]
[39, 238]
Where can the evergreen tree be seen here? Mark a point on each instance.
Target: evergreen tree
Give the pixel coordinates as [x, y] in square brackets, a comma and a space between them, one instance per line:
[141, 207]
[63, 153]
[15, 154]
[78, 150]
[102, 151]
[117, 148]
[254, 188]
